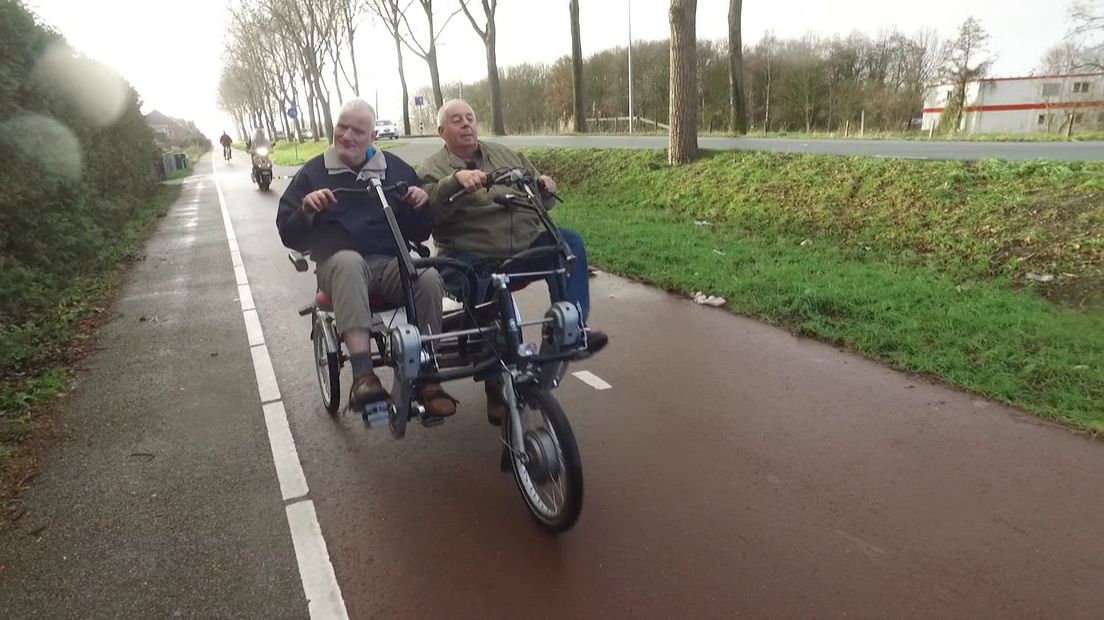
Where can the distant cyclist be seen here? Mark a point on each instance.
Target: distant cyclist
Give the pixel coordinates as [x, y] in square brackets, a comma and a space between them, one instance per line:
[226, 141]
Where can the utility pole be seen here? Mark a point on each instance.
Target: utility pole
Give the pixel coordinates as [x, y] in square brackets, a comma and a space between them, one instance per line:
[630, 69]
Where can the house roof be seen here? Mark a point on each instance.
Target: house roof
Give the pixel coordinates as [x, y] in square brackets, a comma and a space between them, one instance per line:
[1053, 76]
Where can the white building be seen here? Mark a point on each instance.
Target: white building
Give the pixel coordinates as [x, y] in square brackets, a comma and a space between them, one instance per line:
[1035, 104]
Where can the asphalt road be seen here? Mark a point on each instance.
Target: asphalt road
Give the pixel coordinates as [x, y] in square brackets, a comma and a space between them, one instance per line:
[731, 470]
[935, 150]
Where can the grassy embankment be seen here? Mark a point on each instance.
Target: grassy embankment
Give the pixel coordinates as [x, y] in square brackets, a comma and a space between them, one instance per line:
[922, 265]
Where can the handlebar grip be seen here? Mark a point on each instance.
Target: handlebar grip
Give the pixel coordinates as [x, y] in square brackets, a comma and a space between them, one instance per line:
[456, 195]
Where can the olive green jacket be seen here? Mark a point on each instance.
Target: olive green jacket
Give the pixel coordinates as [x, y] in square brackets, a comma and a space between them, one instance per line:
[473, 222]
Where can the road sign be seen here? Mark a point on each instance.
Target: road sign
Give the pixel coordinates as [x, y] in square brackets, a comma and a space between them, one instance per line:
[419, 100]
[293, 113]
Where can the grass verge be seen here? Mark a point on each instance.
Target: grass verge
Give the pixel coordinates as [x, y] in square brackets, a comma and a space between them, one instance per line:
[920, 265]
[287, 154]
[59, 339]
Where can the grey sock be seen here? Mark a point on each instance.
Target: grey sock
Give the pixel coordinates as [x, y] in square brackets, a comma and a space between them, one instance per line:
[362, 363]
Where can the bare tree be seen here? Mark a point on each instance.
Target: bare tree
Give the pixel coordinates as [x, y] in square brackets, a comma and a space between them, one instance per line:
[1087, 31]
[487, 33]
[737, 101]
[804, 81]
[1069, 57]
[768, 45]
[306, 24]
[350, 12]
[391, 15]
[577, 69]
[427, 52]
[683, 135]
[964, 65]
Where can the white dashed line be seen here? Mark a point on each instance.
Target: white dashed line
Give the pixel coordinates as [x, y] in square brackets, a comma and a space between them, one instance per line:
[591, 379]
[253, 328]
[245, 297]
[292, 481]
[320, 587]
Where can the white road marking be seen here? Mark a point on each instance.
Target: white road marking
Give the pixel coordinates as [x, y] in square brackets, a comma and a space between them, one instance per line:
[245, 296]
[320, 587]
[266, 377]
[591, 379]
[324, 599]
[292, 481]
[239, 275]
[253, 328]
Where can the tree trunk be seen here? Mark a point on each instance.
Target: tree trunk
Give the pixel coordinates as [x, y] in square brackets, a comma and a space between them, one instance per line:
[684, 83]
[435, 76]
[737, 98]
[337, 85]
[352, 57]
[577, 68]
[310, 107]
[405, 92]
[498, 117]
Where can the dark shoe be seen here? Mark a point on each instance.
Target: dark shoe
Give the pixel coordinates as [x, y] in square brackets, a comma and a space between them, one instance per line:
[596, 341]
[366, 390]
[496, 407]
[436, 400]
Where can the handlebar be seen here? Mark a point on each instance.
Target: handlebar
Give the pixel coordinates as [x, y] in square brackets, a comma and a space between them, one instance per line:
[397, 188]
[514, 177]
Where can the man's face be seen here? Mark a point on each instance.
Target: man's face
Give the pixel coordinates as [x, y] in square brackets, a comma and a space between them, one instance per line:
[460, 131]
[354, 133]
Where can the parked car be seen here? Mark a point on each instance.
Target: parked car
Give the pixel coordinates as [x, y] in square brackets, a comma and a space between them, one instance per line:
[386, 129]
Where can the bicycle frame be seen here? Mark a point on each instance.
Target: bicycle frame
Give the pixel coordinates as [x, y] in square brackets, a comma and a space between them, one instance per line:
[412, 354]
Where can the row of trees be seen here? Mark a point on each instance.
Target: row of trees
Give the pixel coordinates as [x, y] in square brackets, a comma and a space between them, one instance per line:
[811, 83]
[284, 53]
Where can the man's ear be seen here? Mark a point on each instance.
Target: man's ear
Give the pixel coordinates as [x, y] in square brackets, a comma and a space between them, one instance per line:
[441, 132]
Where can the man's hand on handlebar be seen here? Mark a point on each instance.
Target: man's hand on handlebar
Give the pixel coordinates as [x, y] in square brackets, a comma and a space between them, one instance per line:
[318, 200]
[471, 180]
[415, 198]
[547, 183]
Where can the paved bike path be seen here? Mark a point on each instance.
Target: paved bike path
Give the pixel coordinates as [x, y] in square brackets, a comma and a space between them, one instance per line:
[159, 498]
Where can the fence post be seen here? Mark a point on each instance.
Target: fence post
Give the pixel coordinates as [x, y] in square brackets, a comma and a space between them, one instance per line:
[862, 125]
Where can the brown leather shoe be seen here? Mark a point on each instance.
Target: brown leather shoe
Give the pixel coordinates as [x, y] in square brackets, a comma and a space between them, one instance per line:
[496, 407]
[436, 400]
[366, 389]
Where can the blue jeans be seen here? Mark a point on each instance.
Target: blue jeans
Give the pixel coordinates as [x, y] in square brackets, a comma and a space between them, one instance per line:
[578, 288]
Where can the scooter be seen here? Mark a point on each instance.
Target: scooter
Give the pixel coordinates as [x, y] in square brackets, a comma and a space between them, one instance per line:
[262, 168]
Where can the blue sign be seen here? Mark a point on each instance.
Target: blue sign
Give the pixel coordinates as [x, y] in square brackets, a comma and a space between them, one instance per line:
[419, 100]
[293, 113]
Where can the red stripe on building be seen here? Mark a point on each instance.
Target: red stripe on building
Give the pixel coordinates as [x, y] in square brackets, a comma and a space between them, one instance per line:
[1024, 106]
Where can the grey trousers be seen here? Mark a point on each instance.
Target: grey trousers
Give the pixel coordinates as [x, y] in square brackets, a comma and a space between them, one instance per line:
[351, 280]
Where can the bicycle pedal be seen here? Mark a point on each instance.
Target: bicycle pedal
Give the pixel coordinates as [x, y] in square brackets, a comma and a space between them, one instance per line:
[429, 421]
[377, 414]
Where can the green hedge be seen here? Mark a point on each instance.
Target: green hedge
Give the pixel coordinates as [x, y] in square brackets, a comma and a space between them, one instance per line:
[75, 181]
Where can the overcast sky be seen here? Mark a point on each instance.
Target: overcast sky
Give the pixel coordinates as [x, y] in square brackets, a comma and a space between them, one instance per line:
[173, 57]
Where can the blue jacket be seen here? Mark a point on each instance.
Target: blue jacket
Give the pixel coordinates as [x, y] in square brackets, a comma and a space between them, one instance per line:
[357, 221]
